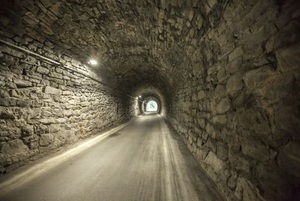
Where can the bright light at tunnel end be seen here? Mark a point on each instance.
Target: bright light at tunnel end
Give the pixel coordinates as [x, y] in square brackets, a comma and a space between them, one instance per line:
[93, 62]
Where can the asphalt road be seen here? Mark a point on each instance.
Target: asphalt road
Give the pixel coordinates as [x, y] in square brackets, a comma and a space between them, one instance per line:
[144, 161]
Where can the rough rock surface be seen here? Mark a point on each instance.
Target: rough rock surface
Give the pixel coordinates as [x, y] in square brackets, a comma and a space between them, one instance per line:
[244, 126]
[40, 111]
[226, 71]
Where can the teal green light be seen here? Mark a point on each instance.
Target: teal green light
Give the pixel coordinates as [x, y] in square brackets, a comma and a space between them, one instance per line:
[151, 106]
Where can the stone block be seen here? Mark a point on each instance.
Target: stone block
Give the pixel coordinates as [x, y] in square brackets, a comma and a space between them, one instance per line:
[288, 58]
[161, 14]
[2, 83]
[62, 120]
[210, 129]
[220, 119]
[204, 136]
[57, 28]
[216, 164]
[51, 90]
[211, 144]
[6, 114]
[190, 14]
[22, 83]
[59, 70]
[194, 97]
[223, 106]
[234, 83]
[232, 181]
[289, 159]
[281, 87]
[24, 103]
[237, 52]
[222, 151]
[8, 102]
[58, 112]
[262, 61]
[66, 136]
[234, 66]
[207, 8]
[46, 113]
[27, 130]
[53, 128]
[41, 129]
[46, 140]
[11, 85]
[68, 113]
[269, 46]
[221, 75]
[199, 142]
[198, 131]
[256, 121]
[212, 70]
[14, 147]
[46, 3]
[33, 144]
[42, 70]
[219, 91]
[245, 190]
[45, 82]
[4, 93]
[9, 130]
[190, 140]
[180, 2]
[67, 93]
[240, 163]
[201, 123]
[289, 34]
[201, 94]
[173, 2]
[14, 93]
[260, 76]
[201, 154]
[55, 82]
[229, 12]
[255, 150]
[47, 121]
[34, 113]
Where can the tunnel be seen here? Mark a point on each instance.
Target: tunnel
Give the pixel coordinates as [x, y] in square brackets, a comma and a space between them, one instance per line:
[222, 74]
[151, 105]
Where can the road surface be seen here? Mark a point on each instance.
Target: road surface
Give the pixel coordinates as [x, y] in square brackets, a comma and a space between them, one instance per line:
[144, 161]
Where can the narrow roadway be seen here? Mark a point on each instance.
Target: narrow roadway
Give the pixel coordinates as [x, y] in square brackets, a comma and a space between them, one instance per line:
[144, 161]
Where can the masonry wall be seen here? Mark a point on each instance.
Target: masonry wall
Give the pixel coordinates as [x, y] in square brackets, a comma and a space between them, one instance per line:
[238, 109]
[45, 106]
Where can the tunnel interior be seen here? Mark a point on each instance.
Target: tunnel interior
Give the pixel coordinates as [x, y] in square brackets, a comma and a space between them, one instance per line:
[224, 73]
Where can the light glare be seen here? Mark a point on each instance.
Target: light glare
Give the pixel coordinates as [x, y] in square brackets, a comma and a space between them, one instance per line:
[93, 62]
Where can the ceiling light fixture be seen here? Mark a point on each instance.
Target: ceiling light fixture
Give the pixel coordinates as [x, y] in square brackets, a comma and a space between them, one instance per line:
[93, 62]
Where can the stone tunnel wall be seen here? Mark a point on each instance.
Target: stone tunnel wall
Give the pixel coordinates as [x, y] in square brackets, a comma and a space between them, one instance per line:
[240, 115]
[44, 106]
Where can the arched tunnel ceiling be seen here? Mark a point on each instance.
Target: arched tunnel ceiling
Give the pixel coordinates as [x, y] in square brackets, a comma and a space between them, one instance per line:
[144, 77]
[130, 39]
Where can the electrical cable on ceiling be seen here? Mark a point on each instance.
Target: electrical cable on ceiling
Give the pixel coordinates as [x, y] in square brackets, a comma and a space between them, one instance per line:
[63, 66]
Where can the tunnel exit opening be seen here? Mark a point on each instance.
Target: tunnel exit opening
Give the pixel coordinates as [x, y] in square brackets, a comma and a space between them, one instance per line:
[151, 106]
[148, 100]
